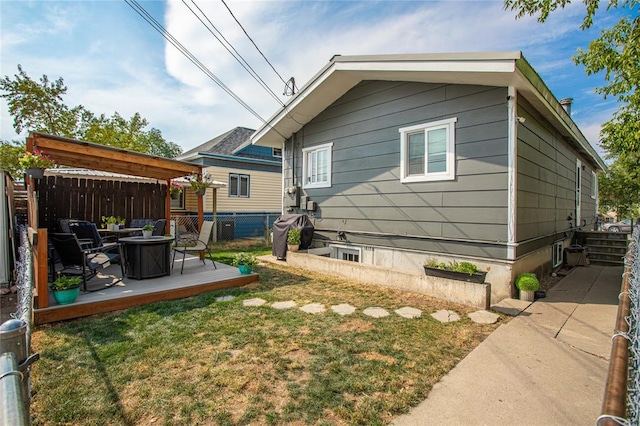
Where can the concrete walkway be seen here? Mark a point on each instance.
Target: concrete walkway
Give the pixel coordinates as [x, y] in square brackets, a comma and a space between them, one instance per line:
[547, 366]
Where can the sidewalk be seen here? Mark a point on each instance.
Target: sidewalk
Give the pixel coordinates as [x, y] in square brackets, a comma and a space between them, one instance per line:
[547, 366]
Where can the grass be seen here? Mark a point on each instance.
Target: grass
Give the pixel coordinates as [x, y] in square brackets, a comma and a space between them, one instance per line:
[198, 361]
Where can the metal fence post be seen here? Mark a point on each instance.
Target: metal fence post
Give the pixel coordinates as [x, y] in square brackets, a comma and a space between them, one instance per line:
[12, 411]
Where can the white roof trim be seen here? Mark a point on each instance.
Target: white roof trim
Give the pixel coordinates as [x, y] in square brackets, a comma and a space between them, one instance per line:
[501, 69]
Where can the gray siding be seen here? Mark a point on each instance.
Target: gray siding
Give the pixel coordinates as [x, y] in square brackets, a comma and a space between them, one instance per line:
[546, 167]
[366, 193]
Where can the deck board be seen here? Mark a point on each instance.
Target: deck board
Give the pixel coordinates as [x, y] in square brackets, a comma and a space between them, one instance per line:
[196, 279]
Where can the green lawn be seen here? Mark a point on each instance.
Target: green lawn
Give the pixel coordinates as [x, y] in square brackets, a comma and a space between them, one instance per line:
[198, 361]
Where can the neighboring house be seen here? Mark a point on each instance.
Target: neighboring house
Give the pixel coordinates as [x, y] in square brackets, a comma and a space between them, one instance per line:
[253, 175]
[400, 158]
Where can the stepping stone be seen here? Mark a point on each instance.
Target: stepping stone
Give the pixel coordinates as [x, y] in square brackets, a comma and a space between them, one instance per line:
[444, 315]
[313, 308]
[224, 298]
[284, 305]
[483, 317]
[256, 301]
[409, 312]
[376, 312]
[343, 309]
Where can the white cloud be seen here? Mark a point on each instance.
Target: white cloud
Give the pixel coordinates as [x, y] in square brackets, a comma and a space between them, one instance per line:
[112, 60]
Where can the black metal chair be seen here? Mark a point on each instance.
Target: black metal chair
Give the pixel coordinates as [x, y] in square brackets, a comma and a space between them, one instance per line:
[85, 262]
[85, 230]
[158, 227]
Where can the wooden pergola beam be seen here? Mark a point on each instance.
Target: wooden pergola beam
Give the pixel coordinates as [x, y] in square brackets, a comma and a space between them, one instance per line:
[87, 155]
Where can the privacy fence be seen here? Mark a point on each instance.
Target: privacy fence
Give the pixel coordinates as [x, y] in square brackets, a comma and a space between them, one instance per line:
[621, 404]
[90, 199]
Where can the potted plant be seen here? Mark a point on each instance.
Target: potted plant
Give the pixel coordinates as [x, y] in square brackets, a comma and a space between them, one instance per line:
[147, 230]
[65, 289]
[200, 184]
[111, 222]
[245, 262]
[293, 239]
[175, 190]
[527, 284]
[34, 163]
[463, 271]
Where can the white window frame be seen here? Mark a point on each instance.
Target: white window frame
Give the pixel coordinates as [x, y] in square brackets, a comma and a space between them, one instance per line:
[557, 254]
[450, 172]
[178, 203]
[239, 176]
[276, 152]
[594, 185]
[306, 169]
[338, 250]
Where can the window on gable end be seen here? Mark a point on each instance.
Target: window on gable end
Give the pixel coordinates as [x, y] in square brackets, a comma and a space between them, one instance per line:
[316, 167]
[428, 151]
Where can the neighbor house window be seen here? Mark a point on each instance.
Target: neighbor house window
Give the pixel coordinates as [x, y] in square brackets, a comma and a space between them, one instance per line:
[594, 185]
[428, 151]
[277, 152]
[238, 185]
[316, 166]
[178, 203]
[557, 253]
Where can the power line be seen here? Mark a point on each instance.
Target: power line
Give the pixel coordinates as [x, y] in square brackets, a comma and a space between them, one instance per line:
[229, 47]
[254, 44]
[171, 39]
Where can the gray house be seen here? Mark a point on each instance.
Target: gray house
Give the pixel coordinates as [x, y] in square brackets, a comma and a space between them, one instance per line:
[465, 156]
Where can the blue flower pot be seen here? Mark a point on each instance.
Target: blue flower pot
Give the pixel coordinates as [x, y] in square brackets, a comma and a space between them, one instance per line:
[245, 269]
[65, 297]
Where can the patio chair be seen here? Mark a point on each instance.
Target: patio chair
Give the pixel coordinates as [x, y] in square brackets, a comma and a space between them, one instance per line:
[63, 226]
[192, 245]
[85, 262]
[89, 231]
[158, 227]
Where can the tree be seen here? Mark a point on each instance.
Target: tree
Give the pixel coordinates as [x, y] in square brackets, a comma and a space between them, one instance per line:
[616, 53]
[40, 107]
[10, 153]
[619, 188]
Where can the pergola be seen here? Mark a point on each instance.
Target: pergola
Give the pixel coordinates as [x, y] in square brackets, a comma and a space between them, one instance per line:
[76, 153]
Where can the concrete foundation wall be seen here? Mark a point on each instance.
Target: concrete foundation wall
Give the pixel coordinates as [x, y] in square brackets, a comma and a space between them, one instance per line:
[476, 295]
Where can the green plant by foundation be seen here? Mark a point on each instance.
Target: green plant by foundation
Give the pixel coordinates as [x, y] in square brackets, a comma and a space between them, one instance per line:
[527, 282]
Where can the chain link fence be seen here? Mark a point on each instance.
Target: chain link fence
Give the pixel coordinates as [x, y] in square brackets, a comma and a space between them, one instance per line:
[228, 226]
[633, 275]
[621, 404]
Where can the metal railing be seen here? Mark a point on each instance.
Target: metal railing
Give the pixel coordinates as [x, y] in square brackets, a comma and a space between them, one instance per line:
[228, 226]
[621, 405]
[15, 345]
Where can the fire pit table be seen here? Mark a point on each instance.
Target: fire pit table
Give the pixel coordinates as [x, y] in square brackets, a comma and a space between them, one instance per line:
[147, 257]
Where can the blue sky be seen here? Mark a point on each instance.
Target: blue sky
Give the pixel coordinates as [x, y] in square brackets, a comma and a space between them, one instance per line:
[113, 61]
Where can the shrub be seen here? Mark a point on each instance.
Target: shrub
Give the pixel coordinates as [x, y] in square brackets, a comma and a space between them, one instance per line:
[527, 282]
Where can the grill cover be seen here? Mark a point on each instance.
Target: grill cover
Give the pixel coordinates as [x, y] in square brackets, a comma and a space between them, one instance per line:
[283, 224]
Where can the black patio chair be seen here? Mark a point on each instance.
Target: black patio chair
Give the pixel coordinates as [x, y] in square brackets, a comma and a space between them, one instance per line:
[63, 226]
[77, 260]
[158, 227]
[85, 230]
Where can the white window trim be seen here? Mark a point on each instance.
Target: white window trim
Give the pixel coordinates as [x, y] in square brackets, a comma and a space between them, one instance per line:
[557, 253]
[240, 176]
[305, 168]
[338, 249]
[450, 173]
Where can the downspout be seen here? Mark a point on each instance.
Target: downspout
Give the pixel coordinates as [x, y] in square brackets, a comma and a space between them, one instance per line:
[512, 153]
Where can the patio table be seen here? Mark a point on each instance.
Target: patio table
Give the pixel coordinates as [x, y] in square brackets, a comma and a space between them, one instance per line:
[119, 232]
[147, 257]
